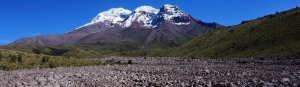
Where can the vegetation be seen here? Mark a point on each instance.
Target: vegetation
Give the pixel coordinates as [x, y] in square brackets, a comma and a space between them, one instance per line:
[1, 56]
[10, 61]
[269, 36]
[13, 58]
[45, 59]
[129, 62]
[20, 59]
[157, 52]
[93, 50]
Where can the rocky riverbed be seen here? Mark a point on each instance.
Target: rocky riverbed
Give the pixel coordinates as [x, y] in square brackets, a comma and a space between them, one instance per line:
[165, 72]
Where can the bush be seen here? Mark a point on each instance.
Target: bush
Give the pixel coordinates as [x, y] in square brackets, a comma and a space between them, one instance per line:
[243, 22]
[119, 62]
[45, 59]
[13, 58]
[20, 59]
[129, 62]
[52, 65]
[271, 15]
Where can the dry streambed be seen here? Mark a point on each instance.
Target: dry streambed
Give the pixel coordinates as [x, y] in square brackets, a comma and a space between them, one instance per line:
[167, 72]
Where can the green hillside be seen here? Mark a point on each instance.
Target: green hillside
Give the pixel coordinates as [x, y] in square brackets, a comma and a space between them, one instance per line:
[93, 50]
[269, 36]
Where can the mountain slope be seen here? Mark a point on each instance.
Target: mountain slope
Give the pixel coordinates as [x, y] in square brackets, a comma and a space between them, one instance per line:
[95, 50]
[269, 36]
[145, 26]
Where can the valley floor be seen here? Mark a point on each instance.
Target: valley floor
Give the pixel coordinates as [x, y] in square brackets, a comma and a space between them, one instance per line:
[172, 72]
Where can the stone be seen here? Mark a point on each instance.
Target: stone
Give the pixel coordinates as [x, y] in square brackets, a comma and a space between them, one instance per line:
[56, 84]
[285, 80]
[182, 84]
[274, 81]
[18, 83]
[64, 84]
[207, 70]
[156, 72]
[269, 84]
[24, 83]
[144, 84]
[143, 78]
[122, 82]
[228, 74]
[41, 81]
[233, 85]
[32, 83]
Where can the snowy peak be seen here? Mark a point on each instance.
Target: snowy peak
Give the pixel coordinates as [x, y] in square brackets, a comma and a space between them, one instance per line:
[147, 9]
[173, 14]
[110, 17]
[113, 15]
[169, 8]
[142, 16]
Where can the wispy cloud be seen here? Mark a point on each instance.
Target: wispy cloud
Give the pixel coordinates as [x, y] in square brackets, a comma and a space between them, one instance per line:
[4, 41]
[35, 34]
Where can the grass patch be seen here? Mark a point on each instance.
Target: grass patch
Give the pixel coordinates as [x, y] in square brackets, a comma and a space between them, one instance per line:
[9, 61]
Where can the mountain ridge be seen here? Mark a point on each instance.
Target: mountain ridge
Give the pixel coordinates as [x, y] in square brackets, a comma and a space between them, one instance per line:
[169, 21]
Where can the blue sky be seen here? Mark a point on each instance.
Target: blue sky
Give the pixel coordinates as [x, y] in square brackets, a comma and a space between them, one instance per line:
[27, 18]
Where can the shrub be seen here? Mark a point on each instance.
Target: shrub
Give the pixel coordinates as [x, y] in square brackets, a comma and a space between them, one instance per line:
[129, 62]
[271, 15]
[52, 65]
[20, 59]
[119, 62]
[45, 59]
[13, 58]
[243, 22]
[228, 26]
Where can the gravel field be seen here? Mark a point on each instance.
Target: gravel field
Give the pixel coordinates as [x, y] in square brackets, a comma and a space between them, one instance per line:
[164, 72]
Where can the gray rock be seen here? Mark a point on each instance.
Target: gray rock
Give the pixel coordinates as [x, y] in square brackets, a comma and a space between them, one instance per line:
[285, 80]
[207, 70]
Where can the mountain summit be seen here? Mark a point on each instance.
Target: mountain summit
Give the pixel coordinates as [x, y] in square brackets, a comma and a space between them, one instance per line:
[144, 26]
[173, 14]
[142, 15]
[110, 17]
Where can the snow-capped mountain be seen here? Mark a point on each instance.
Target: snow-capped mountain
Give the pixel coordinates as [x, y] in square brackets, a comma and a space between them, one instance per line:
[172, 14]
[113, 15]
[142, 15]
[145, 25]
[110, 17]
